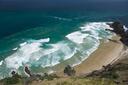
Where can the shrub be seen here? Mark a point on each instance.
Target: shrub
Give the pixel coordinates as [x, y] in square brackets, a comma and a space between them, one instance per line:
[11, 81]
[69, 71]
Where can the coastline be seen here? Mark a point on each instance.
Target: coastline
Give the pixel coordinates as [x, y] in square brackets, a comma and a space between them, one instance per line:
[104, 55]
[107, 53]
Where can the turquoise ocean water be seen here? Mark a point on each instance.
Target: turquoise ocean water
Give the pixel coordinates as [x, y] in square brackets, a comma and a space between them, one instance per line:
[42, 39]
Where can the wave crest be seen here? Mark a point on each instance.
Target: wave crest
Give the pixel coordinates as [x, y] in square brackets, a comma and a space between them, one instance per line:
[83, 42]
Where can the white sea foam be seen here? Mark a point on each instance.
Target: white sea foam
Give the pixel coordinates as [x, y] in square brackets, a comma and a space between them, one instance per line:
[31, 52]
[60, 18]
[89, 37]
[1, 62]
[25, 53]
[41, 40]
[95, 25]
[77, 37]
[60, 51]
[15, 48]
[85, 41]
[89, 29]
[125, 28]
[22, 44]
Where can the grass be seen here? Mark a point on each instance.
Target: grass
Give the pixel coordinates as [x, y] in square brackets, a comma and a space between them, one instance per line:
[10, 81]
[77, 81]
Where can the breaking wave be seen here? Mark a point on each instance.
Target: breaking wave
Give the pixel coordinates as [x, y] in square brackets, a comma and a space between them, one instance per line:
[60, 18]
[42, 53]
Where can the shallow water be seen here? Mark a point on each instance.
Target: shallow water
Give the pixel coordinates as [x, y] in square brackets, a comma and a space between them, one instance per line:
[43, 40]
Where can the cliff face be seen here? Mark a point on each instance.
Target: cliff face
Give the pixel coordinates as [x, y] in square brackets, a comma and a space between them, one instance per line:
[119, 29]
[121, 67]
[117, 71]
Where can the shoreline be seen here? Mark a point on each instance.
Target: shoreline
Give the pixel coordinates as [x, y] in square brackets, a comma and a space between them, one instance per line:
[104, 55]
[107, 53]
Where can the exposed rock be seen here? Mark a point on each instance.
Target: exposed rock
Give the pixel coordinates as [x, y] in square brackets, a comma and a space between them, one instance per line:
[117, 71]
[26, 69]
[69, 71]
[13, 73]
[118, 28]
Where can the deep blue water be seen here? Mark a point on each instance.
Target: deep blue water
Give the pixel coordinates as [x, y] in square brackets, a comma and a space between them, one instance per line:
[13, 22]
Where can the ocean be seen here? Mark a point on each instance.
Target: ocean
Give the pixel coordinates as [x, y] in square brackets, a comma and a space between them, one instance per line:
[43, 39]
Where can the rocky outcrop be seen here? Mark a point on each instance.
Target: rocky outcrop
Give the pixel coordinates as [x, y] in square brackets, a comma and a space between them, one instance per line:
[27, 71]
[119, 29]
[117, 71]
[69, 70]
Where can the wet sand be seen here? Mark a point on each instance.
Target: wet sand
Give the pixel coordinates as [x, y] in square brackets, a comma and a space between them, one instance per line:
[104, 55]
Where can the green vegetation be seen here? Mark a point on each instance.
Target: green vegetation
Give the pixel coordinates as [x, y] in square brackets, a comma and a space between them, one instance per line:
[79, 81]
[68, 70]
[10, 81]
[55, 80]
[108, 75]
[49, 77]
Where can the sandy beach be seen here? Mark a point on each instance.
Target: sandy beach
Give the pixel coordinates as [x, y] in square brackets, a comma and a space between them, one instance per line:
[104, 55]
[107, 53]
